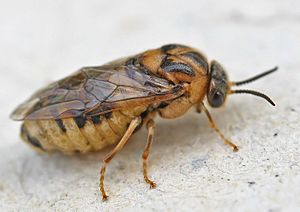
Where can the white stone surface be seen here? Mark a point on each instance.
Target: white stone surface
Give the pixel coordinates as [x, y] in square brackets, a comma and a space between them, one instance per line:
[42, 41]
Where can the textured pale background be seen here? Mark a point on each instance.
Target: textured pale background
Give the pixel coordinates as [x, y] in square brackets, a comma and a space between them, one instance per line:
[42, 41]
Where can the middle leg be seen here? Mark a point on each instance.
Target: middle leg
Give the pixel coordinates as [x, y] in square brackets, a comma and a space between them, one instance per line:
[134, 123]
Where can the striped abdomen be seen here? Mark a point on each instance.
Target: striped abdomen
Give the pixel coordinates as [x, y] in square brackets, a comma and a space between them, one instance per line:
[78, 134]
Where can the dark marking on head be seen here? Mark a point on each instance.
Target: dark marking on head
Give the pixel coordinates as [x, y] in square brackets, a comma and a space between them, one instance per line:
[96, 119]
[169, 47]
[197, 58]
[108, 115]
[61, 125]
[170, 66]
[80, 121]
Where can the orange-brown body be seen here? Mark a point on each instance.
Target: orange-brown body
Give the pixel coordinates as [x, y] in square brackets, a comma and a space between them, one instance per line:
[47, 132]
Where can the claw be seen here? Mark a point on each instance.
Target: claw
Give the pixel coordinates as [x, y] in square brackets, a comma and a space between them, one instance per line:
[104, 198]
[235, 149]
[152, 185]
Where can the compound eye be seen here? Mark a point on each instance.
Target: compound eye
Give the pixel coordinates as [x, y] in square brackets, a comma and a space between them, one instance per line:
[217, 100]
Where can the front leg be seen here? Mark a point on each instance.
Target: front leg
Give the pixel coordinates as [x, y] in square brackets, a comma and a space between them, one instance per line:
[201, 107]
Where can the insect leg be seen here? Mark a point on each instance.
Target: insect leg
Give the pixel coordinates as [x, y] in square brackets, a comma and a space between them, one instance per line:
[150, 127]
[214, 126]
[133, 124]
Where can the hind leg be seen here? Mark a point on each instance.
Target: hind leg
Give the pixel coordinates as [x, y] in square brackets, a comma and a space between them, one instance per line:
[133, 124]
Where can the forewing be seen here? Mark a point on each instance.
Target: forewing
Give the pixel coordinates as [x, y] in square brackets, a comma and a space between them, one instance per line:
[96, 90]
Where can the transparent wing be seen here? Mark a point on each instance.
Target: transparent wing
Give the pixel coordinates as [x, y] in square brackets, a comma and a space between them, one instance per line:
[96, 90]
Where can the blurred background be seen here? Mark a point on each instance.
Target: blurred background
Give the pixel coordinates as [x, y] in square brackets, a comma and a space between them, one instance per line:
[43, 41]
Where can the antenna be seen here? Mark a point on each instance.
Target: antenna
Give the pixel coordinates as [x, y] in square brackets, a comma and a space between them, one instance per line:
[255, 93]
[254, 78]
